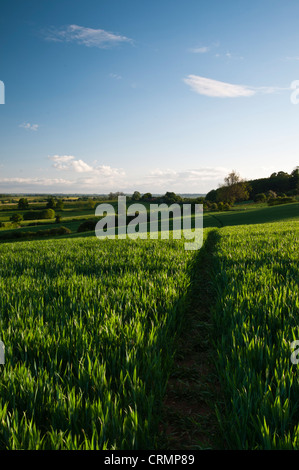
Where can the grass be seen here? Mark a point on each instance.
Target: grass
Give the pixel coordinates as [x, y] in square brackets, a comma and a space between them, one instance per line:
[256, 277]
[103, 338]
[189, 421]
[89, 331]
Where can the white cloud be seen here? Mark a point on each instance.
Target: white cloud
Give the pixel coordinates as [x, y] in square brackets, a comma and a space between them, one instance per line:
[86, 36]
[62, 162]
[28, 126]
[80, 166]
[200, 50]
[215, 88]
[107, 171]
[69, 162]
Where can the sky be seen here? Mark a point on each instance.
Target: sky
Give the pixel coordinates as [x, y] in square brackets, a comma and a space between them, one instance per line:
[149, 96]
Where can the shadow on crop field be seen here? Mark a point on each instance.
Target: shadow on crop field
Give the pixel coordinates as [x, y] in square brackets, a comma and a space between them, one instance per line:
[189, 419]
[259, 215]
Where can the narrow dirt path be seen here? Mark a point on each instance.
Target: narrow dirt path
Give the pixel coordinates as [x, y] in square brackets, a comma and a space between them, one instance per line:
[189, 420]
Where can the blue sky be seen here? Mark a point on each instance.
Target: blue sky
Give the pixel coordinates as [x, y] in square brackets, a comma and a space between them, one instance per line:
[166, 95]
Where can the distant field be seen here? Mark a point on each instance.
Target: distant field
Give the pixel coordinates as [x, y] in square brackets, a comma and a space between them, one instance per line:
[258, 215]
[244, 214]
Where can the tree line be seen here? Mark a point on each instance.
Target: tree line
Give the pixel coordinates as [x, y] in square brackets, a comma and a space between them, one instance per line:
[235, 189]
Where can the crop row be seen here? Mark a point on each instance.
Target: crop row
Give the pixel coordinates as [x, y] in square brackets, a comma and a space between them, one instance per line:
[256, 278]
[89, 329]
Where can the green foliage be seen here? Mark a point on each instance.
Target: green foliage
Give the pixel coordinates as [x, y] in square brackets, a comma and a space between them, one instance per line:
[281, 200]
[278, 183]
[212, 196]
[23, 204]
[39, 233]
[89, 329]
[234, 189]
[256, 279]
[261, 197]
[59, 205]
[36, 215]
[146, 197]
[136, 196]
[47, 214]
[16, 218]
[87, 225]
[51, 203]
[171, 198]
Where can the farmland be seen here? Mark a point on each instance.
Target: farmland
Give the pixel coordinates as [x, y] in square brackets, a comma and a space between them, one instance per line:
[257, 281]
[91, 330]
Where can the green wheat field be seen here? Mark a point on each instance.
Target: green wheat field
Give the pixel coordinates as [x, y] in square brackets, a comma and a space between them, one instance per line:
[90, 330]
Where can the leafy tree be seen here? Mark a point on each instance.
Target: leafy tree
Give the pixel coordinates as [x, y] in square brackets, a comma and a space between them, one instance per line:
[59, 205]
[212, 195]
[47, 214]
[91, 204]
[16, 218]
[171, 198]
[234, 189]
[294, 180]
[146, 197]
[261, 197]
[271, 194]
[112, 196]
[87, 225]
[136, 196]
[51, 203]
[23, 203]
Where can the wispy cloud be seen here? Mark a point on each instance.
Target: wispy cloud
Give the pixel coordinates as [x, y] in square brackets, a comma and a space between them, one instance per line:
[218, 89]
[115, 76]
[189, 178]
[86, 36]
[214, 88]
[204, 49]
[229, 56]
[28, 126]
[200, 50]
[35, 181]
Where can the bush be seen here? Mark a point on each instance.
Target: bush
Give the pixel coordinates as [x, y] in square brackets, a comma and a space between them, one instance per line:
[87, 226]
[90, 224]
[23, 203]
[281, 200]
[31, 215]
[261, 197]
[60, 231]
[36, 215]
[16, 218]
[40, 233]
[47, 214]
